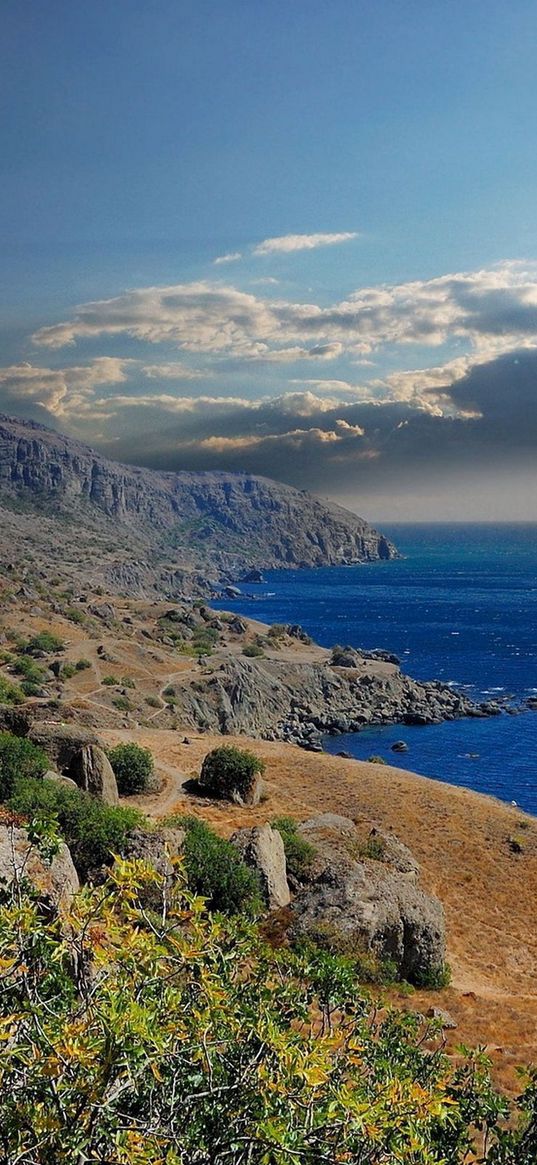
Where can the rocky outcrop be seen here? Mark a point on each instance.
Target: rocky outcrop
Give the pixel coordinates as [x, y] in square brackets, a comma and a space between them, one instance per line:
[262, 848]
[187, 522]
[299, 702]
[360, 898]
[55, 882]
[78, 753]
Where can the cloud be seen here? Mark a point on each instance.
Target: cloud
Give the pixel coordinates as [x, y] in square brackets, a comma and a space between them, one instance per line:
[232, 257]
[58, 390]
[287, 243]
[174, 371]
[490, 312]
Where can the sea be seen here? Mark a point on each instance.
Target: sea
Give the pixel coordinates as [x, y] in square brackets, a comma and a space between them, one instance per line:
[460, 606]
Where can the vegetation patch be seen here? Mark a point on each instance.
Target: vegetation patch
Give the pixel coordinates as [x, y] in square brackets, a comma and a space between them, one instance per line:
[299, 853]
[134, 768]
[215, 870]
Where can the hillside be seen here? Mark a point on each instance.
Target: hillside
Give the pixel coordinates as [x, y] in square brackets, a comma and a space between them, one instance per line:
[141, 670]
[142, 531]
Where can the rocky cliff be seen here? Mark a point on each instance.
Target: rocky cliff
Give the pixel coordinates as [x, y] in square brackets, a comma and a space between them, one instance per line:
[210, 522]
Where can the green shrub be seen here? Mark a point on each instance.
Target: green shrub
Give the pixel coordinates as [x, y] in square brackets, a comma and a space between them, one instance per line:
[43, 643]
[299, 853]
[68, 671]
[82, 664]
[127, 682]
[276, 631]
[10, 693]
[92, 830]
[153, 701]
[30, 688]
[376, 760]
[122, 703]
[215, 870]
[76, 616]
[169, 691]
[27, 667]
[252, 651]
[110, 681]
[19, 759]
[435, 979]
[133, 768]
[374, 848]
[228, 769]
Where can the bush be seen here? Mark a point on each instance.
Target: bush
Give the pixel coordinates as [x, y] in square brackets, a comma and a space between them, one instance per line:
[227, 769]
[110, 681]
[133, 768]
[68, 671]
[215, 870]
[44, 643]
[194, 1042]
[19, 760]
[92, 830]
[153, 701]
[435, 979]
[252, 651]
[122, 703]
[299, 853]
[82, 664]
[10, 693]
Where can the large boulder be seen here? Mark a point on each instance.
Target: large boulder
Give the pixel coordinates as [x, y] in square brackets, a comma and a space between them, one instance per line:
[55, 882]
[369, 908]
[361, 895]
[91, 770]
[157, 848]
[262, 848]
[78, 753]
[61, 742]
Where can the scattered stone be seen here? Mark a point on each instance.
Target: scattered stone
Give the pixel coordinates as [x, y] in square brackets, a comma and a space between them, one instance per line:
[104, 611]
[447, 1021]
[399, 746]
[60, 779]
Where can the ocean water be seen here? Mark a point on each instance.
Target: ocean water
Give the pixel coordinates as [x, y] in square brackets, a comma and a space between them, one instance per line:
[461, 606]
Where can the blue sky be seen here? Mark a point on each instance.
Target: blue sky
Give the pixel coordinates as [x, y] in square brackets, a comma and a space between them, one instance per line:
[141, 141]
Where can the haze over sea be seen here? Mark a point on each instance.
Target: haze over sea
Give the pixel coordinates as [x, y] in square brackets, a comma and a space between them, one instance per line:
[461, 606]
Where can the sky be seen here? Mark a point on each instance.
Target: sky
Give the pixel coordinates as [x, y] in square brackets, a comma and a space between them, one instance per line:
[288, 237]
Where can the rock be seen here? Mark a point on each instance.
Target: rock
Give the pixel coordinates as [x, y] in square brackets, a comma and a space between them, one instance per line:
[156, 847]
[61, 742]
[361, 908]
[56, 883]
[252, 576]
[262, 848]
[60, 779]
[345, 755]
[395, 853]
[104, 611]
[444, 1017]
[399, 746]
[232, 592]
[333, 822]
[91, 770]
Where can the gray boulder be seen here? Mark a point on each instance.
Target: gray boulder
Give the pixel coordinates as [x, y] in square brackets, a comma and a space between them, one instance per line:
[370, 908]
[60, 779]
[55, 882]
[394, 853]
[91, 770]
[262, 848]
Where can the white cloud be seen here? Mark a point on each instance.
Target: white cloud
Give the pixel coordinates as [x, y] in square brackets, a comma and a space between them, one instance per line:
[232, 257]
[175, 371]
[287, 243]
[489, 311]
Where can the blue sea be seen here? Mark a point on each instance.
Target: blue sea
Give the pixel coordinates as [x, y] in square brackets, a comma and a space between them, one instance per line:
[461, 606]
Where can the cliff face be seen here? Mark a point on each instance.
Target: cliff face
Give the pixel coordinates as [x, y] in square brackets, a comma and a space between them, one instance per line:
[193, 520]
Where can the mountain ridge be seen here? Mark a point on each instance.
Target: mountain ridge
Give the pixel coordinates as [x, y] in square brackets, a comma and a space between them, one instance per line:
[212, 521]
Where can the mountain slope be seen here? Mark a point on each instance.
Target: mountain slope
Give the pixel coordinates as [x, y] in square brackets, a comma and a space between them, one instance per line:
[212, 523]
